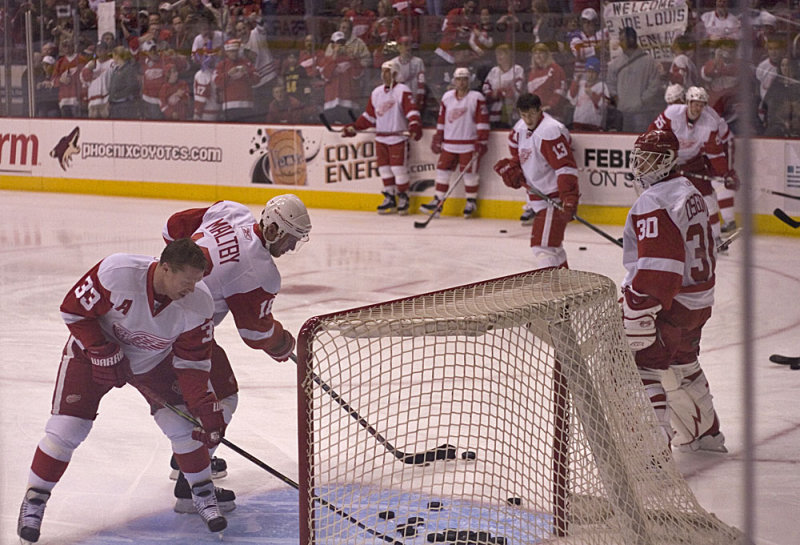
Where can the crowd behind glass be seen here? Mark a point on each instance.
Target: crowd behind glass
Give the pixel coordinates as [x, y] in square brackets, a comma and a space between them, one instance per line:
[288, 61]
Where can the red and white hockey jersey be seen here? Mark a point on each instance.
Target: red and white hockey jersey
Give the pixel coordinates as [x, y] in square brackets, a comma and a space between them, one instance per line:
[115, 302]
[545, 154]
[668, 247]
[235, 80]
[462, 121]
[390, 110]
[206, 105]
[243, 278]
[705, 139]
[501, 90]
[548, 83]
[154, 75]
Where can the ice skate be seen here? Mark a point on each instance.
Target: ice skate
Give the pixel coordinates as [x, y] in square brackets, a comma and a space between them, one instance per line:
[205, 504]
[470, 208]
[219, 468]
[527, 217]
[708, 443]
[389, 204]
[185, 503]
[402, 204]
[30, 514]
[431, 207]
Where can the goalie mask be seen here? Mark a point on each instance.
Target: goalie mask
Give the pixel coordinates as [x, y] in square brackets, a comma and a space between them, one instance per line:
[290, 215]
[655, 154]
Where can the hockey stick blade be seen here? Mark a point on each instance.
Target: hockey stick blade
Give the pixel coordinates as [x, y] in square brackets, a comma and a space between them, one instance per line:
[453, 184]
[727, 242]
[442, 452]
[784, 217]
[784, 360]
[327, 123]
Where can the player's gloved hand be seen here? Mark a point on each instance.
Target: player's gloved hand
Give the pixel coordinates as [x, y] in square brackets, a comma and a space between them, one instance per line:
[639, 319]
[349, 130]
[732, 180]
[210, 416]
[568, 194]
[569, 206]
[110, 366]
[481, 148]
[283, 347]
[511, 173]
[436, 143]
[415, 129]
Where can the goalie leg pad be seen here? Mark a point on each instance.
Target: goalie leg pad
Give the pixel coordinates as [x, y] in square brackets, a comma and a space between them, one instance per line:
[651, 379]
[693, 414]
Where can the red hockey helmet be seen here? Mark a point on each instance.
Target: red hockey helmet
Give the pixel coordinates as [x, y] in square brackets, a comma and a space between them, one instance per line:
[655, 154]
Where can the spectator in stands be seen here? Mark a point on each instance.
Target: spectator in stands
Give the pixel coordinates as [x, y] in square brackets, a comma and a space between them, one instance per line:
[502, 86]
[174, 95]
[409, 13]
[152, 66]
[768, 68]
[165, 12]
[781, 103]
[547, 80]
[385, 28]
[109, 39]
[361, 19]
[590, 97]
[546, 25]
[66, 77]
[96, 75]
[340, 71]
[257, 50]
[720, 23]
[683, 69]
[181, 39]
[87, 19]
[208, 39]
[124, 88]
[310, 55]
[45, 96]
[234, 77]
[128, 22]
[456, 32]
[284, 109]
[206, 103]
[762, 25]
[481, 43]
[411, 70]
[637, 83]
[590, 41]
[720, 76]
[155, 33]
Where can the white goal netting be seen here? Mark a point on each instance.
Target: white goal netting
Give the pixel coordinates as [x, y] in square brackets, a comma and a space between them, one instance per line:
[503, 412]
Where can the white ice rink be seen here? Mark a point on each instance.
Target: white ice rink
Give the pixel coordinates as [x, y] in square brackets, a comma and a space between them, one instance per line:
[116, 488]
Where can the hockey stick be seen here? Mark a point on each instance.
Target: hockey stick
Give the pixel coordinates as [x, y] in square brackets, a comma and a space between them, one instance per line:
[442, 452]
[792, 362]
[784, 217]
[778, 193]
[189, 418]
[453, 184]
[328, 123]
[723, 246]
[328, 126]
[591, 226]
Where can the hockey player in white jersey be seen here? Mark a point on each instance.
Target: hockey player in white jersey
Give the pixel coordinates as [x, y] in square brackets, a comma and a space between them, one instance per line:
[149, 322]
[542, 159]
[668, 291]
[706, 149]
[462, 132]
[243, 279]
[393, 112]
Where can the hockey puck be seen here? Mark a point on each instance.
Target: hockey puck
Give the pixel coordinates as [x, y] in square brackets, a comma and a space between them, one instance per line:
[386, 515]
[503, 231]
[468, 455]
[581, 247]
[514, 501]
[435, 506]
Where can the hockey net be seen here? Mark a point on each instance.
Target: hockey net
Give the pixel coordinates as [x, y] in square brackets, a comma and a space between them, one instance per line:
[506, 411]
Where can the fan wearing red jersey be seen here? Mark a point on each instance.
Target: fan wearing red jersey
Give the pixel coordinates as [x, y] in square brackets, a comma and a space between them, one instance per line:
[462, 131]
[149, 322]
[391, 109]
[668, 291]
[242, 276]
[542, 161]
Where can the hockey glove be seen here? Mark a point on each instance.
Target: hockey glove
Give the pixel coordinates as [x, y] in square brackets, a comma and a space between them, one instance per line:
[436, 143]
[415, 129]
[349, 130]
[568, 194]
[481, 148]
[732, 180]
[209, 414]
[282, 347]
[110, 366]
[511, 173]
[639, 319]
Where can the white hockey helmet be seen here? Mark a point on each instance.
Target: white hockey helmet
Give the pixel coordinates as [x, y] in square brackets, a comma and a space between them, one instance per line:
[290, 215]
[696, 93]
[391, 64]
[655, 154]
[674, 94]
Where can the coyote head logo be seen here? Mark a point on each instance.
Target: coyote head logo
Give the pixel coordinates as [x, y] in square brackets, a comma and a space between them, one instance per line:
[66, 148]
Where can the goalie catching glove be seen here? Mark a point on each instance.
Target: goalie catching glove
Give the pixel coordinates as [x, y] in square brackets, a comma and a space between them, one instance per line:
[212, 422]
[511, 172]
[109, 365]
[639, 319]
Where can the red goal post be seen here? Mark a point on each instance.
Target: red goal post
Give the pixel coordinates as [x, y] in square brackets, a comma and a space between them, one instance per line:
[509, 410]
